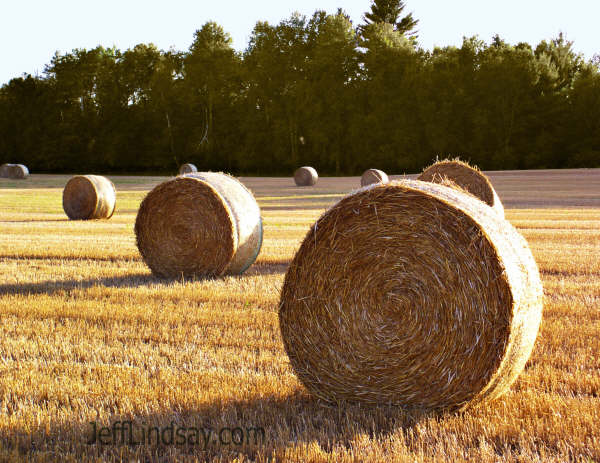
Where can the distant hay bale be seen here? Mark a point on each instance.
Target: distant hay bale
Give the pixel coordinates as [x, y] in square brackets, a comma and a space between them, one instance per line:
[19, 171]
[371, 176]
[187, 169]
[4, 170]
[203, 224]
[467, 177]
[88, 197]
[306, 176]
[14, 171]
[410, 293]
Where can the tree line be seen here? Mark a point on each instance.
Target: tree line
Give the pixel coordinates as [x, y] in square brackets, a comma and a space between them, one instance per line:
[307, 91]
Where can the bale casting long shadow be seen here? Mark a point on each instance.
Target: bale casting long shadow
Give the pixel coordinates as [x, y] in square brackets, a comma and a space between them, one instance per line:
[53, 286]
[126, 281]
[293, 420]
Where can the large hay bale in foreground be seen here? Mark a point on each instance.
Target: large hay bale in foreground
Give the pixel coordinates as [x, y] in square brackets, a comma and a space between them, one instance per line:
[465, 176]
[306, 176]
[4, 170]
[410, 293]
[187, 169]
[371, 176]
[88, 197]
[14, 171]
[204, 224]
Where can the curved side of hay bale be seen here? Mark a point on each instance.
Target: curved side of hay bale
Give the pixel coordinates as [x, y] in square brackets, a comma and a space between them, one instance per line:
[410, 293]
[371, 176]
[5, 169]
[467, 177]
[19, 171]
[246, 213]
[203, 224]
[88, 197]
[187, 169]
[306, 176]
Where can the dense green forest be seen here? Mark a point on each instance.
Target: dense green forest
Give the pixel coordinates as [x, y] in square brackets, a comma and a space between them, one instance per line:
[308, 91]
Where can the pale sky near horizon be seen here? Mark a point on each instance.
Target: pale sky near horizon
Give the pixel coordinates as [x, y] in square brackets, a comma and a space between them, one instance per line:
[31, 31]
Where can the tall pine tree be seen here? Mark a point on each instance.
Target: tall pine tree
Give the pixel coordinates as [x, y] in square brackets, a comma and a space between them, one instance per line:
[390, 11]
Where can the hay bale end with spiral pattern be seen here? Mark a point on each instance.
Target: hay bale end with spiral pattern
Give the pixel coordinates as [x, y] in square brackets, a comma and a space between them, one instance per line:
[412, 294]
[465, 176]
[204, 224]
[306, 176]
[87, 197]
[371, 176]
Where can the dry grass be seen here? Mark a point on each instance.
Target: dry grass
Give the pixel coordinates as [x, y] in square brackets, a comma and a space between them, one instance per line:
[87, 334]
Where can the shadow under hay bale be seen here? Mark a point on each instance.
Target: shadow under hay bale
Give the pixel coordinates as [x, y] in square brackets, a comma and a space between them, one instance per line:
[306, 176]
[414, 294]
[371, 176]
[187, 169]
[87, 197]
[199, 225]
[465, 176]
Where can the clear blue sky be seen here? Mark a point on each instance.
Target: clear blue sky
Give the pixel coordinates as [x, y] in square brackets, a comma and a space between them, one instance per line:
[31, 31]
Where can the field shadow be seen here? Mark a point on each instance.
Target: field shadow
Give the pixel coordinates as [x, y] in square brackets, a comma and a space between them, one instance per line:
[34, 220]
[53, 286]
[128, 281]
[267, 427]
[33, 256]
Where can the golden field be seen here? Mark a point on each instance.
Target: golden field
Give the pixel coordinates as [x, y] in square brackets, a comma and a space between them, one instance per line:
[88, 335]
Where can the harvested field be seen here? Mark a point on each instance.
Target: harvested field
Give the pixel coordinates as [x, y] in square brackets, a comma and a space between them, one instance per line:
[87, 334]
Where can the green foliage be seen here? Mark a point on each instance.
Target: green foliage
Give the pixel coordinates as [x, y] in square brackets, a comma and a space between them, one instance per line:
[313, 91]
[389, 12]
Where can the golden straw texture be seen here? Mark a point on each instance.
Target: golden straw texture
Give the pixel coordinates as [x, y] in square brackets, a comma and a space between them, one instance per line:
[246, 213]
[306, 176]
[410, 293]
[371, 176]
[204, 225]
[88, 197]
[470, 178]
[187, 169]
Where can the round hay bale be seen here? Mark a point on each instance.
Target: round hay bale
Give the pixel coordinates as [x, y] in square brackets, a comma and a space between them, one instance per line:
[371, 176]
[469, 178]
[19, 171]
[410, 293]
[5, 169]
[306, 176]
[187, 169]
[14, 171]
[199, 225]
[89, 197]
